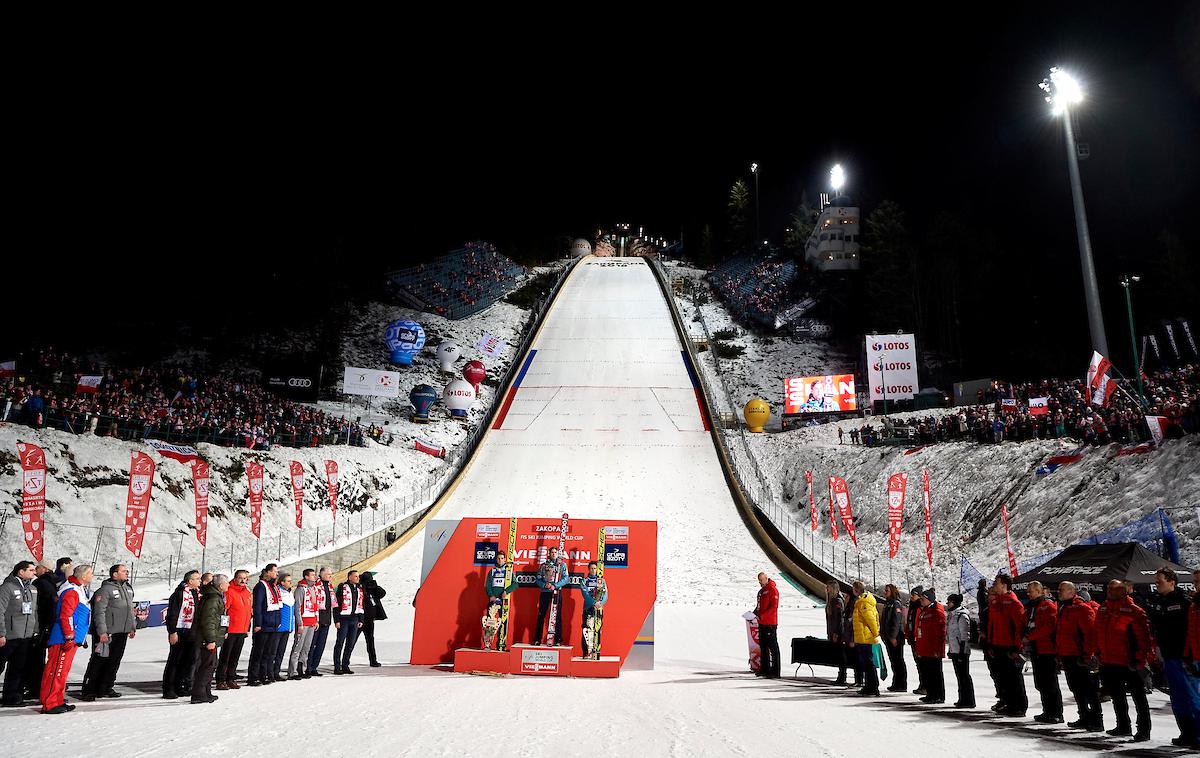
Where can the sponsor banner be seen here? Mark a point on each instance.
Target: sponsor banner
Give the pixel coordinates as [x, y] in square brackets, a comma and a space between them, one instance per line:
[89, 384]
[296, 471]
[1169, 330]
[616, 547]
[539, 661]
[294, 382]
[485, 553]
[1012, 557]
[491, 345]
[892, 358]
[137, 501]
[833, 530]
[1153, 340]
[819, 394]
[200, 490]
[1039, 406]
[369, 382]
[928, 518]
[897, 484]
[331, 479]
[752, 640]
[181, 453]
[812, 503]
[1158, 426]
[488, 532]
[1185, 326]
[841, 495]
[33, 497]
[254, 475]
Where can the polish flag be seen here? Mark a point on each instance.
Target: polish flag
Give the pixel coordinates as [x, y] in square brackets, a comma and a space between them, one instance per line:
[1038, 406]
[8, 368]
[89, 384]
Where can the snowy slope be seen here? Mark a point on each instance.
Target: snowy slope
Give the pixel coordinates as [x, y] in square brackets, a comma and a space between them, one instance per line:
[606, 424]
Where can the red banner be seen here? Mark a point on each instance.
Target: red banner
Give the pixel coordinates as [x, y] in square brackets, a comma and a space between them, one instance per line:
[812, 503]
[33, 496]
[928, 518]
[137, 501]
[897, 484]
[841, 494]
[1012, 557]
[331, 474]
[200, 487]
[833, 530]
[254, 472]
[296, 469]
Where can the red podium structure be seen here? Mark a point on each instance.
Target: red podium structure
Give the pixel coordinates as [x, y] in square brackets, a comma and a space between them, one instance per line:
[451, 601]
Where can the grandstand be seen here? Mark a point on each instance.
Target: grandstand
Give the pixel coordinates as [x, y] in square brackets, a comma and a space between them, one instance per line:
[458, 284]
[756, 288]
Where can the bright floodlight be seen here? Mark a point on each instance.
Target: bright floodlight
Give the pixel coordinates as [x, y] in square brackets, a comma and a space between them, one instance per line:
[837, 177]
[1061, 90]
[753, 168]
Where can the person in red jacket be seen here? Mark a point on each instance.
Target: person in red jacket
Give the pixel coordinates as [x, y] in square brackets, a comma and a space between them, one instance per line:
[931, 647]
[1075, 644]
[767, 612]
[1041, 624]
[1006, 626]
[237, 606]
[1123, 635]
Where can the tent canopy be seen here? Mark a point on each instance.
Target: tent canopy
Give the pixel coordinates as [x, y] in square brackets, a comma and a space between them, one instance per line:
[1091, 567]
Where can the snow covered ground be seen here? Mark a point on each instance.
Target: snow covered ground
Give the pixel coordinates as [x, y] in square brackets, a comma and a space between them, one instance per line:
[604, 424]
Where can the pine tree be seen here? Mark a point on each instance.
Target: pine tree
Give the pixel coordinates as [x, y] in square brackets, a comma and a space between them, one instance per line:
[737, 211]
[889, 261]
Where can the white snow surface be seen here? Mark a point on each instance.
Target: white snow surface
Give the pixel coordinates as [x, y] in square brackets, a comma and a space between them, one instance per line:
[606, 360]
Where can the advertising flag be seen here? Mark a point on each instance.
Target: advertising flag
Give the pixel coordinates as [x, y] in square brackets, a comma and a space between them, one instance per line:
[812, 503]
[331, 475]
[297, 471]
[832, 515]
[928, 518]
[1012, 557]
[200, 488]
[33, 496]
[897, 484]
[254, 473]
[841, 494]
[137, 501]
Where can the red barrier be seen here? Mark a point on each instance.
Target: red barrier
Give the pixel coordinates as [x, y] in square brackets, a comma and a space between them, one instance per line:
[451, 602]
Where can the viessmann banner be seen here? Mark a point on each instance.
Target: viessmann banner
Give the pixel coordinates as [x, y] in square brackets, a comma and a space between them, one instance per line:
[370, 382]
[892, 358]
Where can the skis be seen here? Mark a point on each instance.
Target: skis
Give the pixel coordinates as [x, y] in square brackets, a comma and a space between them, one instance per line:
[508, 573]
[551, 625]
[597, 611]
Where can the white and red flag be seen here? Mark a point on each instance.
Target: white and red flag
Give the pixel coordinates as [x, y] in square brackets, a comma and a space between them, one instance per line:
[1158, 428]
[897, 484]
[1039, 406]
[8, 368]
[137, 501]
[200, 487]
[331, 476]
[928, 518]
[1012, 557]
[254, 473]
[1100, 386]
[33, 497]
[841, 494]
[296, 469]
[88, 384]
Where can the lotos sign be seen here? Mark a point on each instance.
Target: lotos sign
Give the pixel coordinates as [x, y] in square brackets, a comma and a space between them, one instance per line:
[892, 359]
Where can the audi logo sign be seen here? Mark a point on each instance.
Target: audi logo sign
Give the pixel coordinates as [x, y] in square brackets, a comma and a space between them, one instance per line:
[299, 382]
[296, 387]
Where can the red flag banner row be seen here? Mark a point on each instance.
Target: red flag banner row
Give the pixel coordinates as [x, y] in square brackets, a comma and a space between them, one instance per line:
[812, 503]
[1012, 557]
[200, 487]
[137, 501]
[928, 518]
[841, 494]
[296, 469]
[897, 484]
[254, 473]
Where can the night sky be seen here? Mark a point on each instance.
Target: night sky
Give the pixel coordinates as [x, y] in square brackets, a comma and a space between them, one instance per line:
[214, 188]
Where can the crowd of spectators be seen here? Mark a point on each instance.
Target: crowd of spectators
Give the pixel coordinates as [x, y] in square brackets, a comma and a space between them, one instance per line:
[755, 290]
[1003, 413]
[460, 283]
[168, 403]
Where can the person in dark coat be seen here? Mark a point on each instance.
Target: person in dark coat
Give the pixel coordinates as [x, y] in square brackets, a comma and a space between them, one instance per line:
[209, 635]
[181, 618]
[1168, 611]
[891, 630]
[113, 625]
[910, 629]
[835, 611]
[374, 612]
[47, 596]
[266, 613]
[848, 638]
[18, 628]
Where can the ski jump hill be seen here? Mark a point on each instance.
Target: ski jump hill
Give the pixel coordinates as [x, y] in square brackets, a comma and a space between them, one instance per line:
[605, 420]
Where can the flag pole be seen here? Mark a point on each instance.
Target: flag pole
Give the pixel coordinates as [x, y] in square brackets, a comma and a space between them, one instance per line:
[1141, 403]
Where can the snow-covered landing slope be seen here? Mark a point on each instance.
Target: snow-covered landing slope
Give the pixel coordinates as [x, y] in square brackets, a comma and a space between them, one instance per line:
[606, 424]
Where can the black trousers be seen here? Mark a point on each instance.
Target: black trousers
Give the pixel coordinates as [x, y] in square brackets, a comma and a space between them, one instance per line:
[1045, 678]
[933, 678]
[1083, 685]
[36, 662]
[1010, 681]
[962, 673]
[262, 656]
[279, 652]
[768, 642]
[920, 671]
[101, 674]
[866, 664]
[540, 632]
[231, 653]
[899, 667]
[179, 664]
[1119, 680]
[368, 633]
[202, 674]
[14, 657]
[318, 647]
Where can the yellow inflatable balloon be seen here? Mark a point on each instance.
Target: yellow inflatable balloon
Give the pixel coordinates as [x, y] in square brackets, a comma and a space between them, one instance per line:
[756, 412]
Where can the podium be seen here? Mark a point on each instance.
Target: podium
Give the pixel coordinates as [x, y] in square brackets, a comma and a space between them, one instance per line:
[536, 660]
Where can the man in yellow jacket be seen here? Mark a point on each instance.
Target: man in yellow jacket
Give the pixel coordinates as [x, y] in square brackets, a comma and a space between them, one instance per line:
[866, 634]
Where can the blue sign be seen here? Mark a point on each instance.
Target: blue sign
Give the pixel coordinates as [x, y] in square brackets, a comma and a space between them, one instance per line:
[616, 556]
[422, 398]
[404, 339]
[485, 553]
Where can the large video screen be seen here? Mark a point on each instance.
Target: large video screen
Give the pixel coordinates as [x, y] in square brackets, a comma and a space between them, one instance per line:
[819, 394]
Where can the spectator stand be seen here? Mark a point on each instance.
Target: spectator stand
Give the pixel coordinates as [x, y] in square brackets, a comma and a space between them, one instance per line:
[456, 285]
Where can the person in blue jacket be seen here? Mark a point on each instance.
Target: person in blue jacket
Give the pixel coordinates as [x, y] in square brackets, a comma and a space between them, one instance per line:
[595, 594]
[72, 617]
[265, 610]
[552, 577]
[287, 624]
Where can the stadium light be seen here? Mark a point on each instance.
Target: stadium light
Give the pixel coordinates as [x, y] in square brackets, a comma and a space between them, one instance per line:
[757, 225]
[1062, 91]
[837, 178]
[1127, 281]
